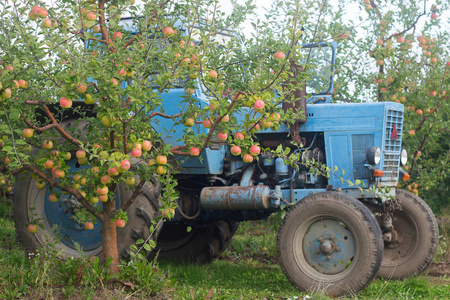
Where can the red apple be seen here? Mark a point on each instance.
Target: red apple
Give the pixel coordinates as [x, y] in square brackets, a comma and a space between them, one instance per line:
[194, 151]
[102, 190]
[27, 133]
[49, 164]
[225, 119]
[40, 184]
[136, 152]
[434, 16]
[105, 179]
[6, 94]
[247, 158]
[434, 60]
[114, 82]
[52, 198]
[279, 55]
[32, 16]
[81, 154]
[161, 159]
[125, 164]
[32, 228]
[43, 13]
[255, 150]
[46, 23]
[47, 145]
[151, 162]
[161, 170]
[146, 145]
[122, 72]
[379, 42]
[189, 122]
[81, 88]
[222, 136]
[117, 35]
[258, 106]
[168, 31]
[103, 198]
[76, 177]
[91, 16]
[412, 132]
[23, 84]
[65, 103]
[433, 93]
[59, 173]
[113, 171]
[419, 112]
[275, 117]
[212, 75]
[207, 123]
[120, 223]
[238, 136]
[400, 39]
[88, 226]
[235, 150]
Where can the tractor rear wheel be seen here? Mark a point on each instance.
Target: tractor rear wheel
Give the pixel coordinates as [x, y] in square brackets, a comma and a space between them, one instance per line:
[200, 244]
[415, 238]
[330, 242]
[59, 228]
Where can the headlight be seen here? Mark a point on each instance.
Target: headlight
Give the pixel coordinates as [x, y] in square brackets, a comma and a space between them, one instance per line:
[403, 157]
[373, 155]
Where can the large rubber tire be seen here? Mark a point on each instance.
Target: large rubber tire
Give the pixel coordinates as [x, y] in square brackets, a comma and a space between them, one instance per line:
[32, 204]
[330, 242]
[417, 235]
[201, 244]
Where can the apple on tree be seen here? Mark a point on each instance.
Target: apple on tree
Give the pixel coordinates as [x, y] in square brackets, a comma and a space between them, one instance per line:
[32, 228]
[194, 151]
[88, 225]
[27, 133]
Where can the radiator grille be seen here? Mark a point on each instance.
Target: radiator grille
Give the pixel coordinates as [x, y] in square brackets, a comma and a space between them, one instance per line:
[392, 145]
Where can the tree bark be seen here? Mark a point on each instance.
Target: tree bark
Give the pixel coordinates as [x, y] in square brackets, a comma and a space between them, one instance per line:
[109, 235]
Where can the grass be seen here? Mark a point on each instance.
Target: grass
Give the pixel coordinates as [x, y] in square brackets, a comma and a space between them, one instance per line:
[247, 270]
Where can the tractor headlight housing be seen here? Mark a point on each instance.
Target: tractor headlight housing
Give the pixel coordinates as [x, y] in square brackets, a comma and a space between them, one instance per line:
[403, 157]
[373, 155]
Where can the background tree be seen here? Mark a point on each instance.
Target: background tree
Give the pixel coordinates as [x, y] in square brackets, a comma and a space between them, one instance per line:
[399, 51]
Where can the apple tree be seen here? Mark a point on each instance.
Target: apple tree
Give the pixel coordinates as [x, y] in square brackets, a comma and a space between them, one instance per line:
[399, 51]
[82, 88]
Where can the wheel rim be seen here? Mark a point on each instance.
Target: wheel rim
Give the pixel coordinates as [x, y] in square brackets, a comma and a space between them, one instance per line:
[406, 240]
[324, 246]
[60, 214]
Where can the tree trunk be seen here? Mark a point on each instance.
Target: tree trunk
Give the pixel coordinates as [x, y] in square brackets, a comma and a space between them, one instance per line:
[109, 236]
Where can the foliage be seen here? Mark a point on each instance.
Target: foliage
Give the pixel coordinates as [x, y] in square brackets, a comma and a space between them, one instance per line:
[83, 90]
[399, 51]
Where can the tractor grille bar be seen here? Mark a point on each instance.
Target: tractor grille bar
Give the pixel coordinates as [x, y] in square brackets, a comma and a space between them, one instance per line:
[392, 145]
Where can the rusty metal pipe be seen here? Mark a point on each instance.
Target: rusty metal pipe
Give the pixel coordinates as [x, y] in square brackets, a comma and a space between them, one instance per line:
[236, 197]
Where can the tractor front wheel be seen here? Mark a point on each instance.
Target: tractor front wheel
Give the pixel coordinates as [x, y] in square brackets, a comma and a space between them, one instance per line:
[330, 242]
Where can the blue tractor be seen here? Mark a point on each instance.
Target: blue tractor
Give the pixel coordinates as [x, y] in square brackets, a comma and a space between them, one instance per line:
[341, 229]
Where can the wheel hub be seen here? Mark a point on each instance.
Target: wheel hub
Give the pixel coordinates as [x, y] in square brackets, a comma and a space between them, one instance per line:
[328, 246]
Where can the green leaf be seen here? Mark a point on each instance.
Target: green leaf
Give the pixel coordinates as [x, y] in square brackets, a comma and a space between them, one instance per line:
[140, 241]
